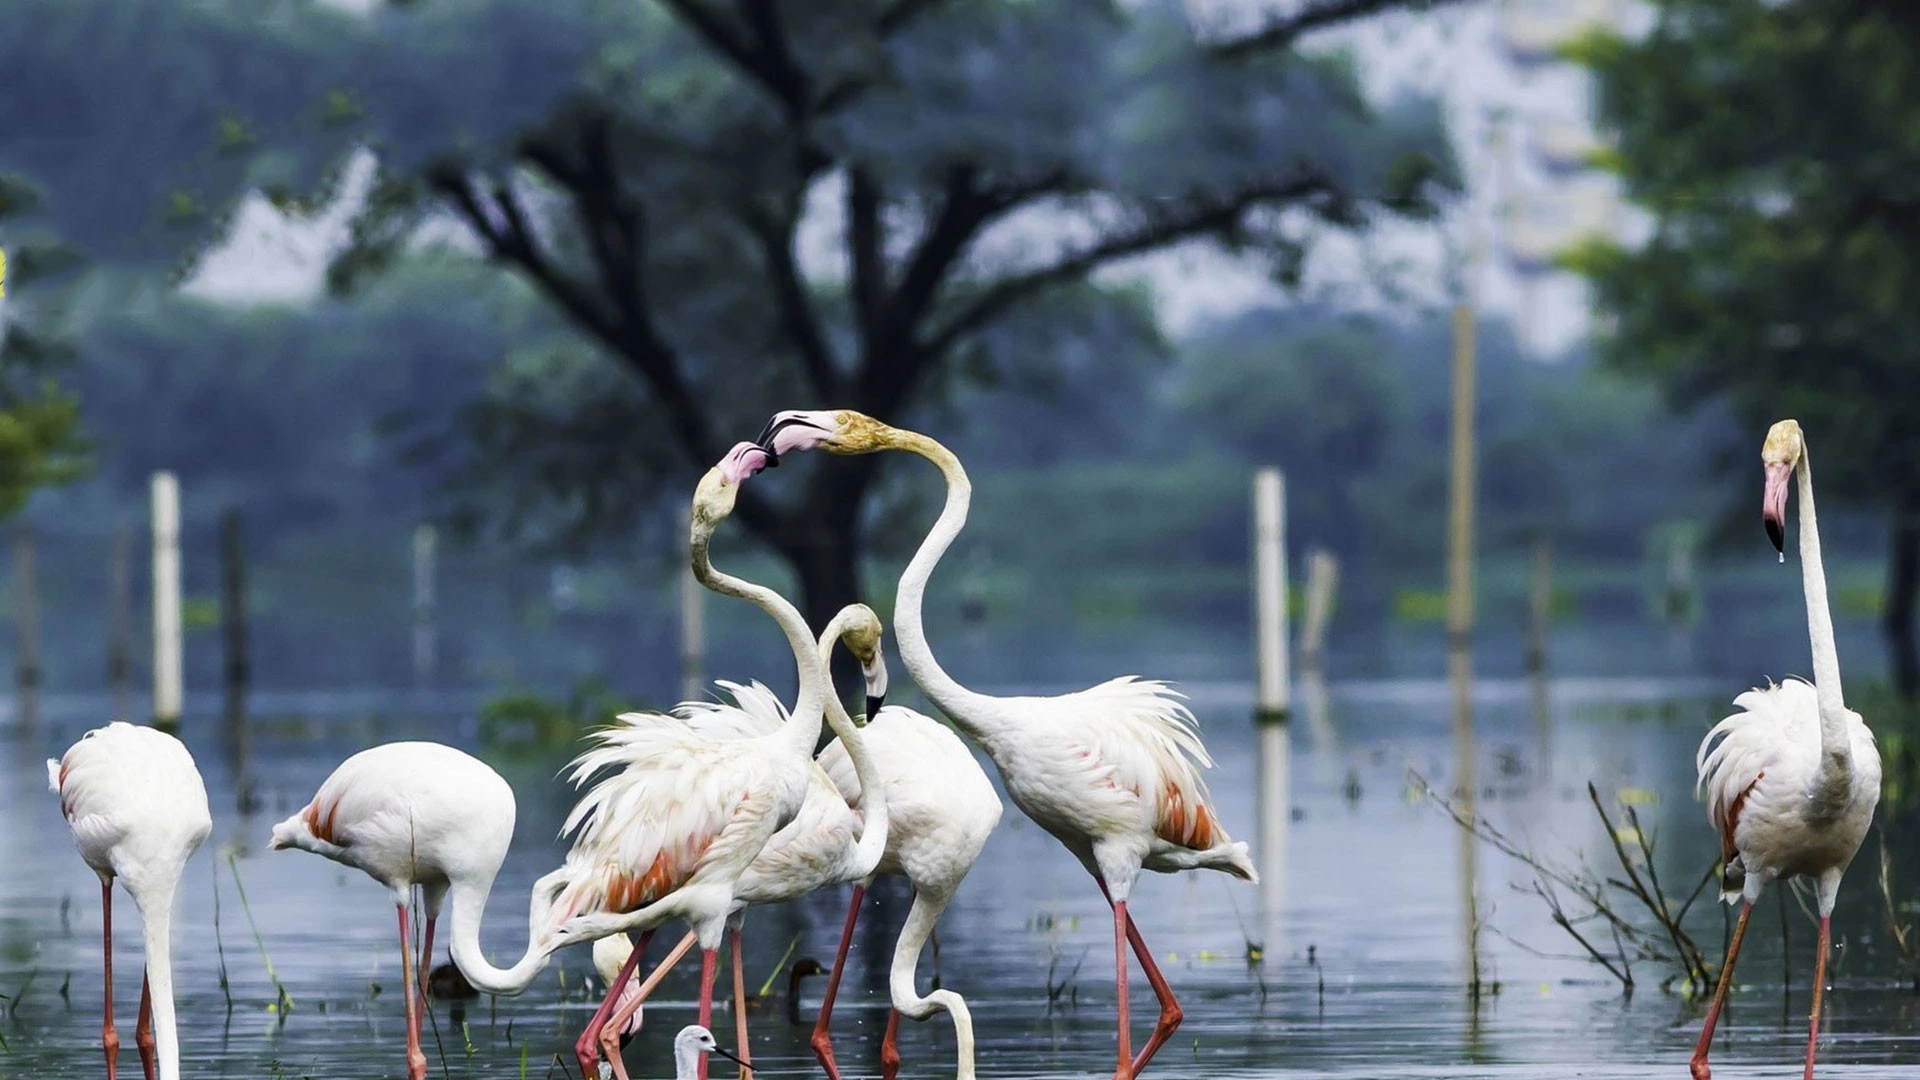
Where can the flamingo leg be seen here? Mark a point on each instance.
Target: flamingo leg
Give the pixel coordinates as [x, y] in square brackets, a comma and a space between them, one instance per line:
[617, 1022]
[426, 960]
[584, 1048]
[822, 1040]
[109, 1038]
[143, 1028]
[740, 1008]
[1125, 1070]
[416, 1058]
[890, 1047]
[1819, 988]
[1699, 1064]
[708, 961]
[1170, 1013]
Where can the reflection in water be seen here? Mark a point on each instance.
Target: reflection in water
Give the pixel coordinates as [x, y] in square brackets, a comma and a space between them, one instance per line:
[1460, 675]
[1276, 810]
[1537, 693]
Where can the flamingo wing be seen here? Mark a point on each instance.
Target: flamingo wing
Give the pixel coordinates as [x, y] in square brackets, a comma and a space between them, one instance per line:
[675, 802]
[1772, 727]
[755, 711]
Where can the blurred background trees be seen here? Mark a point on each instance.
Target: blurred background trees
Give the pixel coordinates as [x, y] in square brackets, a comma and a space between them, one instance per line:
[1776, 148]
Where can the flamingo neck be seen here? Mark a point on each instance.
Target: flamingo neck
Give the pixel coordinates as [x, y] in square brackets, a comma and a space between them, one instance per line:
[967, 709]
[906, 997]
[802, 731]
[872, 846]
[156, 916]
[1836, 742]
[469, 907]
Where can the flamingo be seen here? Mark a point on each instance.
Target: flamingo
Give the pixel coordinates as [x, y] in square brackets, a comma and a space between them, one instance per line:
[138, 811]
[828, 842]
[427, 816]
[939, 806]
[1113, 771]
[681, 818]
[1793, 781]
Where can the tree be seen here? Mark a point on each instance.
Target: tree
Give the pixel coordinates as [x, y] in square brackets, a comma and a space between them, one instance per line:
[754, 205]
[1773, 144]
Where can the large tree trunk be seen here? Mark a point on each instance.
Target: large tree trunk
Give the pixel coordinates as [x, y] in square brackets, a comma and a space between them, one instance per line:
[826, 559]
[1903, 580]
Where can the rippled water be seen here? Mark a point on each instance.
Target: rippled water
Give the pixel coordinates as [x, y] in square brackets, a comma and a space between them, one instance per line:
[1365, 957]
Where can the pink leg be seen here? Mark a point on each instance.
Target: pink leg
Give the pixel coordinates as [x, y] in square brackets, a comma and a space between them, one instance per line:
[617, 1021]
[143, 1029]
[1125, 1070]
[1819, 988]
[740, 1007]
[1699, 1064]
[109, 1038]
[416, 1059]
[890, 1047]
[708, 961]
[586, 1049]
[1170, 1014]
[426, 960]
[822, 1041]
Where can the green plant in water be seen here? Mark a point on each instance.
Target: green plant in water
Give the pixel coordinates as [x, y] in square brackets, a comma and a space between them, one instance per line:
[283, 1004]
[527, 717]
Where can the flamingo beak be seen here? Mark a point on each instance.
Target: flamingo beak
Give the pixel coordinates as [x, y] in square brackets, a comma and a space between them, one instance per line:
[876, 673]
[794, 429]
[1773, 504]
[743, 461]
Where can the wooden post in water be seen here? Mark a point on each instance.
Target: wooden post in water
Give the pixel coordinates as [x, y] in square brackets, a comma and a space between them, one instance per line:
[1460, 513]
[1270, 596]
[120, 619]
[426, 645]
[693, 635]
[26, 617]
[1272, 697]
[1323, 578]
[1540, 604]
[238, 665]
[168, 683]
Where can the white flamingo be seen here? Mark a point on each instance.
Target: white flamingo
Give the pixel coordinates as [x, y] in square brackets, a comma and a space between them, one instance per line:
[1113, 772]
[939, 806]
[138, 811]
[669, 834]
[427, 816]
[828, 843]
[1793, 782]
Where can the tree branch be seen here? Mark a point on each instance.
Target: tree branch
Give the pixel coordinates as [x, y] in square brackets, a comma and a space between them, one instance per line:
[962, 214]
[866, 256]
[1282, 33]
[795, 300]
[1198, 220]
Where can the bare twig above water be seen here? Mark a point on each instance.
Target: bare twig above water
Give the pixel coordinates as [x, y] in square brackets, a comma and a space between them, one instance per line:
[1649, 928]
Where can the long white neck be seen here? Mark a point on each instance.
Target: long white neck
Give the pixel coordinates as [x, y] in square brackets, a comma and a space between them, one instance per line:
[802, 731]
[156, 917]
[872, 846]
[971, 711]
[906, 997]
[469, 906]
[1836, 746]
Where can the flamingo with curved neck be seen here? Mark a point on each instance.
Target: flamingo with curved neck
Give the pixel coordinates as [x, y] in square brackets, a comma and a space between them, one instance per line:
[1113, 771]
[1792, 779]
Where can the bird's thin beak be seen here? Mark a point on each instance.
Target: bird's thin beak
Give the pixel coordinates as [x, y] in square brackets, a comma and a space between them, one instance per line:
[723, 1053]
[1773, 505]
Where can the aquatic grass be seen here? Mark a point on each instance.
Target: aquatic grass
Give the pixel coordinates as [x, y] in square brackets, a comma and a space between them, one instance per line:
[778, 966]
[219, 942]
[283, 1002]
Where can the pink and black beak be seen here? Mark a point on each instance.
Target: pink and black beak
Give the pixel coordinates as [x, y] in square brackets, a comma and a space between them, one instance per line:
[743, 461]
[1773, 504]
[793, 429]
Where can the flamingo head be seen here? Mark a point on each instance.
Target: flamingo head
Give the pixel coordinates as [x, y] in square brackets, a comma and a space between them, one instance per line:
[714, 497]
[838, 431]
[1779, 456]
[862, 639]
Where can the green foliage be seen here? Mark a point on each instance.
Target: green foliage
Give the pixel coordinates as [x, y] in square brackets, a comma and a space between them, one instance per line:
[527, 718]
